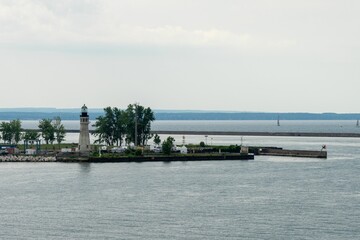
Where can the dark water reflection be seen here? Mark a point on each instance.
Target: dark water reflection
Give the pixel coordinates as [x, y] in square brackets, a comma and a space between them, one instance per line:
[85, 167]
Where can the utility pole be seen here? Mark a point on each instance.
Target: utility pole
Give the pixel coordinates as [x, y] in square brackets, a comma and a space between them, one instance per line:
[136, 123]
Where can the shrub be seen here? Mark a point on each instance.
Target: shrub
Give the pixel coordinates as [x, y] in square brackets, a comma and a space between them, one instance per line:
[167, 145]
[138, 152]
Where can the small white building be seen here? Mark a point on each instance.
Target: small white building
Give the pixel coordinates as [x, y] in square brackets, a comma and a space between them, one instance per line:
[30, 151]
[68, 150]
[244, 150]
[183, 150]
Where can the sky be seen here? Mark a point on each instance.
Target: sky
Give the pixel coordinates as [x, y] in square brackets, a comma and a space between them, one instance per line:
[232, 55]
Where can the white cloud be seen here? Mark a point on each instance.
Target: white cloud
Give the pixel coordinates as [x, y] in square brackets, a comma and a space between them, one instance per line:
[258, 54]
[26, 22]
[173, 35]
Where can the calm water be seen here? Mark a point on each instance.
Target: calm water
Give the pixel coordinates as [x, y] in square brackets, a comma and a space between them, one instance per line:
[345, 126]
[269, 198]
[245, 126]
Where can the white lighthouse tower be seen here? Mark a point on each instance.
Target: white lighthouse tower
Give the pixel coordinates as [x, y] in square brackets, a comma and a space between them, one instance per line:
[84, 139]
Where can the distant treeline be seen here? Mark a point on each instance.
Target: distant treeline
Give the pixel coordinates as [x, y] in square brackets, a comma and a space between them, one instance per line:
[161, 115]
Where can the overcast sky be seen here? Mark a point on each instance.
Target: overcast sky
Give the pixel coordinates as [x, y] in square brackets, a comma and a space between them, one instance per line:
[253, 55]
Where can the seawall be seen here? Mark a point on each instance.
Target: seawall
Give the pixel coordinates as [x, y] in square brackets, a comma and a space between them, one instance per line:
[162, 158]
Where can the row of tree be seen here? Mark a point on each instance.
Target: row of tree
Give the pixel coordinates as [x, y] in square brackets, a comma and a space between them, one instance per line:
[51, 130]
[131, 125]
[11, 132]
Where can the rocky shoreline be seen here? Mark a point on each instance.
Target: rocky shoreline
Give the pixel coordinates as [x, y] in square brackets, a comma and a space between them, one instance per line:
[19, 158]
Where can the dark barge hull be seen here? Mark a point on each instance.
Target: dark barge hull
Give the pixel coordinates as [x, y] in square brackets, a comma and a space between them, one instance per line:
[293, 153]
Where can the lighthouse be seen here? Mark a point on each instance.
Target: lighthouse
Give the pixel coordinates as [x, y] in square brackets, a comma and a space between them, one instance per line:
[84, 138]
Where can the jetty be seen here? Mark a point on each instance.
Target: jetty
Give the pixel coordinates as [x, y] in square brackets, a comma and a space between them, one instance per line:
[271, 134]
[291, 153]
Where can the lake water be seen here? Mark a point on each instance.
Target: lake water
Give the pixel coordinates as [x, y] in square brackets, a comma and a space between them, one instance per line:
[336, 126]
[341, 126]
[268, 198]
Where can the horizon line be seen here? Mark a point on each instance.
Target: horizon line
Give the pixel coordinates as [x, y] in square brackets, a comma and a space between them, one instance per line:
[97, 109]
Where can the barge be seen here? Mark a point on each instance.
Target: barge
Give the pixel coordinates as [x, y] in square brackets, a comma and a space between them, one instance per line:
[292, 153]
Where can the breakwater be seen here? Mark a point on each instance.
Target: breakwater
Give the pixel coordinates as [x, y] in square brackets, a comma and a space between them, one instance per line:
[21, 158]
[235, 133]
[272, 134]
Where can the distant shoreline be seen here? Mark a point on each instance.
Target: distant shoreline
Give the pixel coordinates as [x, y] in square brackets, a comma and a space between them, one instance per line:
[33, 114]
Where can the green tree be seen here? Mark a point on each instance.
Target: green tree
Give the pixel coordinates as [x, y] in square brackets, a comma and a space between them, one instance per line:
[100, 130]
[157, 140]
[47, 130]
[138, 127]
[31, 135]
[16, 130]
[168, 145]
[59, 130]
[115, 125]
[120, 126]
[6, 133]
[105, 127]
[11, 131]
